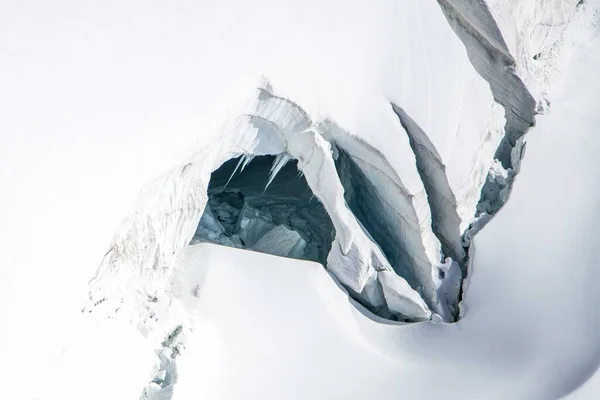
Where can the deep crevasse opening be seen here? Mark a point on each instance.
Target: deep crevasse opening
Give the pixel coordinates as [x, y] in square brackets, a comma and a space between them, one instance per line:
[283, 218]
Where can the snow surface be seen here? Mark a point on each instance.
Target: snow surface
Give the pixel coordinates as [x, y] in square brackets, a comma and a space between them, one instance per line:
[99, 99]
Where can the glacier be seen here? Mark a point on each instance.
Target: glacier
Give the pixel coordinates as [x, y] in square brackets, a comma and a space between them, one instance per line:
[373, 163]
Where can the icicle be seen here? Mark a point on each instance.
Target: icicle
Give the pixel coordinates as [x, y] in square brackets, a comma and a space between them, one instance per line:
[247, 159]
[279, 163]
[235, 169]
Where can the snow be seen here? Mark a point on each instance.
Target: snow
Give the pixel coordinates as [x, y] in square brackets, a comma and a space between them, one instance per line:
[101, 360]
[281, 241]
[100, 99]
[534, 28]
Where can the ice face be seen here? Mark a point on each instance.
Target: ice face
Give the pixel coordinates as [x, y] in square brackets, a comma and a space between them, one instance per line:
[388, 219]
[281, 241]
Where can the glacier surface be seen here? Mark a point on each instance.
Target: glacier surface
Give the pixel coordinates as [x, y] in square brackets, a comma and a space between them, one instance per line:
[379, 149]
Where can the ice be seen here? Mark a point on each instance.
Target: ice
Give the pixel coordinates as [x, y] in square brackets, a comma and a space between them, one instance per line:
[383, 207]
[287, 201]
[253, 225]
[279, 163]
[504, 41]
[209, 226]
[395, 290]
[281, 241]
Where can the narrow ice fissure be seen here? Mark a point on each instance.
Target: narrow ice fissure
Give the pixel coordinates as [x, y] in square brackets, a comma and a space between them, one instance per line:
[162, 385]
[476, 27]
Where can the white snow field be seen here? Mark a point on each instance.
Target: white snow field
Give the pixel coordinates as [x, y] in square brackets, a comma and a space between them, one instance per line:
[375, 142]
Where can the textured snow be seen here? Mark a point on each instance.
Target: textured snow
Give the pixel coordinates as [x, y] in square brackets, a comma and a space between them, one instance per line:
[532, 31]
